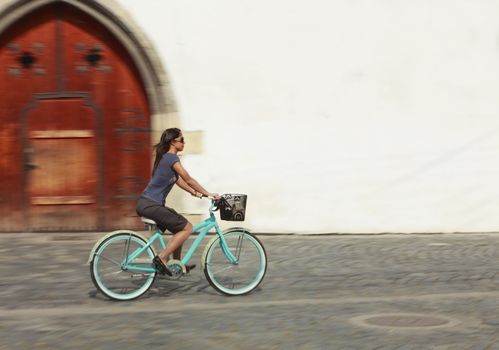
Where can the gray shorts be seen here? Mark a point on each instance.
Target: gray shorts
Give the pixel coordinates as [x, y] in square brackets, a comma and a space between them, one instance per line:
[166, 218]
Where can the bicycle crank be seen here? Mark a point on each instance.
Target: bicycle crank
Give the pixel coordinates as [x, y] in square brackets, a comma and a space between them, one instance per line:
[176, 268]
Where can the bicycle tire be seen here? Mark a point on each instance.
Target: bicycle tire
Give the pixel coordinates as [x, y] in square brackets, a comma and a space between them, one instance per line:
[247, 274]
[118, 243]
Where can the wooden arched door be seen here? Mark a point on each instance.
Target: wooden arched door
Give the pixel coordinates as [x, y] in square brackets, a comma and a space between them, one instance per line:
[75, 137]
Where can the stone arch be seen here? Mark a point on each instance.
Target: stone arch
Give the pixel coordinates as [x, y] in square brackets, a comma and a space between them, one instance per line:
[116, 19]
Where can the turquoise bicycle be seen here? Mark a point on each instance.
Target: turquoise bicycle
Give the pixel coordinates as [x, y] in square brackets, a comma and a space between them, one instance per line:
[234, 261]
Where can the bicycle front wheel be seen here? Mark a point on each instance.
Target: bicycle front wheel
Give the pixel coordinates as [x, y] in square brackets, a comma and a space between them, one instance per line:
[235, 278]
[114, 275]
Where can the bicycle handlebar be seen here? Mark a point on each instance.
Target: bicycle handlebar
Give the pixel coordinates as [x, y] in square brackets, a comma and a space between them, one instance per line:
[209, 197]
[214, 202]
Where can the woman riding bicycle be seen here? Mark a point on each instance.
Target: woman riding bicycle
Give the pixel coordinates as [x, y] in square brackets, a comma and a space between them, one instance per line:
[167, 171]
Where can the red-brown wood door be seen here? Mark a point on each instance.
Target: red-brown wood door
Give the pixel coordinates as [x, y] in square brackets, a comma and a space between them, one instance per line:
[75, 125]
[61, 164]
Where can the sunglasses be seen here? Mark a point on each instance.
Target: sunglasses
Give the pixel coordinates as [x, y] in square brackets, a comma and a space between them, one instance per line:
[181, 140]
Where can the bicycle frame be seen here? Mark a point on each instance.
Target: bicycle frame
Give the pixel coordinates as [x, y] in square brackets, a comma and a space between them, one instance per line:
[204, 227]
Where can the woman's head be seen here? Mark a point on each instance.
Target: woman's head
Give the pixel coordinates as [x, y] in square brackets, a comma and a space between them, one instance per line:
[171, 139]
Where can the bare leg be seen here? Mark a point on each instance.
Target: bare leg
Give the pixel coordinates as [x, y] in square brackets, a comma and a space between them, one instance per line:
[177, 254]
[176, 242]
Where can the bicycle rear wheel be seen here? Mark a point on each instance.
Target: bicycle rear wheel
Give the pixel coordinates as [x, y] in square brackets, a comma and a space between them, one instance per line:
[243, 276]
[109, 269]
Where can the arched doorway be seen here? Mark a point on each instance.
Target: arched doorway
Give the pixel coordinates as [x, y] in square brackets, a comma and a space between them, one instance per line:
[76, 122]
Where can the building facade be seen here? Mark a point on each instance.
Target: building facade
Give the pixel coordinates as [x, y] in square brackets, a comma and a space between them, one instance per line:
[332, 116]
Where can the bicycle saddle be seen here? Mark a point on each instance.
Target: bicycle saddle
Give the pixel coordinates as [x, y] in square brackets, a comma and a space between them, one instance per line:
[149, 223]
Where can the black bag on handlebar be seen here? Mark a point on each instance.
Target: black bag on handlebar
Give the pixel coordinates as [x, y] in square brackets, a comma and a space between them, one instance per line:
[232, 207]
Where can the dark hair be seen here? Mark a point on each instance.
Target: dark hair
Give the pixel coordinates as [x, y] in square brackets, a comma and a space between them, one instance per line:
[164, 144]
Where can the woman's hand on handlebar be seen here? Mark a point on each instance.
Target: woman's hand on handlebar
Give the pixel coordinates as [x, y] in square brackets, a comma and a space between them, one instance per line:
[213, 196]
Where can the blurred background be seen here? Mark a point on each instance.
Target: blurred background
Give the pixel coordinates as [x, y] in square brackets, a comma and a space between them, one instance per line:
[345, 116]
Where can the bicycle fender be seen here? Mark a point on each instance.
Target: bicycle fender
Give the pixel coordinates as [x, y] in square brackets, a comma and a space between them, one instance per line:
[226, 231]
[96, 245]
[235, 228]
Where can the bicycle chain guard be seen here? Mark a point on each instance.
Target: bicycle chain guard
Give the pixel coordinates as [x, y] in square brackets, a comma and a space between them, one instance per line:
[176, 268]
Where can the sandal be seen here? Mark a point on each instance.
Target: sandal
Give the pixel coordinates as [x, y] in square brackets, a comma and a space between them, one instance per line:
[160, 266]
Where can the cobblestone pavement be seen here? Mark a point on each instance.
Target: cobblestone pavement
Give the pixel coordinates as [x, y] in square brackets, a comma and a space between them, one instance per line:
[318, 293]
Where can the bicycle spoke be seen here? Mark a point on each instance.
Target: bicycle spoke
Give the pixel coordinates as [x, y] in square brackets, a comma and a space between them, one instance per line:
[112, 268]
[111, 260]
[223, 269]
[112, 273]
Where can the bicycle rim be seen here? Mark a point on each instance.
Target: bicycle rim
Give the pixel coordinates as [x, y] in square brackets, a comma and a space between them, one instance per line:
[108, 274]
[240, 278]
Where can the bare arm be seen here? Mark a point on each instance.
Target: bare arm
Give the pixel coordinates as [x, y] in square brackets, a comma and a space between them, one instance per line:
[183, 185]
[188, 180]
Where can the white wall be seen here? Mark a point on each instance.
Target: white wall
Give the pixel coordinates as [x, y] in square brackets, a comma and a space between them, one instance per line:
[339, 116]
